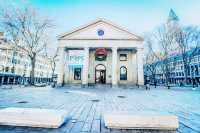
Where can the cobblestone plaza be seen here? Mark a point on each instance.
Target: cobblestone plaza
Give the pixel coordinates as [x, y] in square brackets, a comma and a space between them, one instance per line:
[87, 106]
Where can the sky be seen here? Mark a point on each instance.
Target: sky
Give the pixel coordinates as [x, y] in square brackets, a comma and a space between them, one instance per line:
[139, 16]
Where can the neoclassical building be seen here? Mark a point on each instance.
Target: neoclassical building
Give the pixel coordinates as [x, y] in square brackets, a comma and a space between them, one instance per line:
[100, 53]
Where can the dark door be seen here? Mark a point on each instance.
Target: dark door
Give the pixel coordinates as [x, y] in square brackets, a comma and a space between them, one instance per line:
[100, 75]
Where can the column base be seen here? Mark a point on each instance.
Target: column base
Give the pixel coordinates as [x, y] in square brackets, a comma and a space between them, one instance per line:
[114, 85]
[59, 85]
[84, 85]
[141, 83]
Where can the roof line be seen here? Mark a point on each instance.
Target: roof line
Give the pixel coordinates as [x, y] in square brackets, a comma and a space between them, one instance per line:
[103, 39]
[95, 22]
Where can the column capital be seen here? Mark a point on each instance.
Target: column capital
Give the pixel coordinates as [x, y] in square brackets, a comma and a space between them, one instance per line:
[140, 49]
[62, 47]
[85, 47]
[114, 48]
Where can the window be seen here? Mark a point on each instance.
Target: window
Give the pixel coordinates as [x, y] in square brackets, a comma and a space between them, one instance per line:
[7, 69]
[14, 61]
[77, 74]
[176, 74]
[123, 57]
[196, 70]
[181, 67]
[13, 70]
[123, 73]
[179, 73]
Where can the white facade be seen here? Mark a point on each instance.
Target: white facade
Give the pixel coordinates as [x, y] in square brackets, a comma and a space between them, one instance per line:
[123, 63]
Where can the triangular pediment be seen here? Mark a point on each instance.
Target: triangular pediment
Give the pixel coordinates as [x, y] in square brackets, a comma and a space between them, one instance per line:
[100, 29]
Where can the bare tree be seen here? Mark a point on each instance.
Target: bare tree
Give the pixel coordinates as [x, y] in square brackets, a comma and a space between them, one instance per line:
[188, 41]
[163, 37]
[53, 60]
[27, 32]
[151, 61]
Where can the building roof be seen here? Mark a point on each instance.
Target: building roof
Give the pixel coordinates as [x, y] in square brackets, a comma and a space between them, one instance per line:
[96, 22]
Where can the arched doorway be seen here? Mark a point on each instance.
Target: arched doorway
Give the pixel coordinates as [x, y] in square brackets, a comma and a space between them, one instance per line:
[123, 73]
[100, 74]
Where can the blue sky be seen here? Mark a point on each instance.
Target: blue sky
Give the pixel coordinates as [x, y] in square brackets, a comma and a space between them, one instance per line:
[139, 16]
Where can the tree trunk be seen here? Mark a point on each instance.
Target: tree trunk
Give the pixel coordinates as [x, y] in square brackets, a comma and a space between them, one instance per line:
[185, 74]
[53, 70]
[52, 75]
[154, 80]
[167, 73]
[32, 74]
[185, 68]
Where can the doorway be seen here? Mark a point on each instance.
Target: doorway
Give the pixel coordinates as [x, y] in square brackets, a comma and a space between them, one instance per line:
[100, 74]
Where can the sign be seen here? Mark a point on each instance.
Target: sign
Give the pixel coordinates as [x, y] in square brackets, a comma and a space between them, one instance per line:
[75, 58]
[100, 54]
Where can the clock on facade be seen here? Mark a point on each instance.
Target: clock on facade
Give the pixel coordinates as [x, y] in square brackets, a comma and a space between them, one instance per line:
[100, 32]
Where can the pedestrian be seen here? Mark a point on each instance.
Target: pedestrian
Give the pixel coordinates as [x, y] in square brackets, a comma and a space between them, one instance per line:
[193, 83]
[155, 84]
[148, 86]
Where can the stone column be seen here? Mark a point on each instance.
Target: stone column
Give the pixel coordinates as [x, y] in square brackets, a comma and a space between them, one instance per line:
[85, 67]
[61, 65]
[140, 75]
[114, 66]
[66, 78]
[134, 67]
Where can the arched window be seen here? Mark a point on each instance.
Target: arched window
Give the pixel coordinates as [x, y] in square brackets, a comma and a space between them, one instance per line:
[123, 73]
[7, 69]
[13, 70]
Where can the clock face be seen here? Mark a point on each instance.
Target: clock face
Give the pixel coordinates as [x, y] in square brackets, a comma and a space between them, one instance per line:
[100, 32]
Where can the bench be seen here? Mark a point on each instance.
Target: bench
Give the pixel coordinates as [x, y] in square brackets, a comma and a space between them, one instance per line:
[32, 117]
[152, 122]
